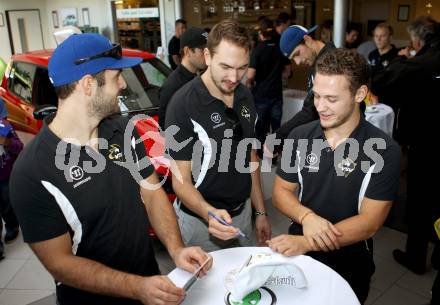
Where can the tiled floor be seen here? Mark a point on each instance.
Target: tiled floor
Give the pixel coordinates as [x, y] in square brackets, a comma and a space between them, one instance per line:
[23, 280]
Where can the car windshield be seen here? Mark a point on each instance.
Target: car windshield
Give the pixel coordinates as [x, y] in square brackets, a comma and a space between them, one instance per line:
[143, 84]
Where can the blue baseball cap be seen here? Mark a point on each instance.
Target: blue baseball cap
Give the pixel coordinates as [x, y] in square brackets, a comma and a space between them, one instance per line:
[82, 54]
[292, 37]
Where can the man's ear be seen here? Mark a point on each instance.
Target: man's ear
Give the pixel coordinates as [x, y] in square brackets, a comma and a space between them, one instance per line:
[361, 94]
[86, 83]
[207, 55]
[308, 40]
[185, 51]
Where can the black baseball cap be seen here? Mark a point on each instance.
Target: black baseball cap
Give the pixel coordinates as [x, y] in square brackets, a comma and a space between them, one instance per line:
[194, 38]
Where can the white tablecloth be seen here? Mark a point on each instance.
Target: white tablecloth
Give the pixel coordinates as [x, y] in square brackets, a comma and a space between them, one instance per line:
[292, 103]
[381, 116]
[325, 286]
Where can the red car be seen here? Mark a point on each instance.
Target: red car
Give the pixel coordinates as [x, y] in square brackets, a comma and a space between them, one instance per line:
[29, 96]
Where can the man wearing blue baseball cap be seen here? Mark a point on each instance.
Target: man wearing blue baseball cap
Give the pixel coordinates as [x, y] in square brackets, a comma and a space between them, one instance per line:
[297, 44]
[83, 213]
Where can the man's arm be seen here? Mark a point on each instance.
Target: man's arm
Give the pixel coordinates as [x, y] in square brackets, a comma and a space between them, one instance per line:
[85, 274]
[163, 219]
[262, 225]
[371, 217]
[319, 232]
[194, 201]
[360, 227]
[162, 216]
[351, 230]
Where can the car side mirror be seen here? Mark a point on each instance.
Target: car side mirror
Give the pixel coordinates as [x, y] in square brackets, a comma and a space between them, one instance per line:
[42, 111]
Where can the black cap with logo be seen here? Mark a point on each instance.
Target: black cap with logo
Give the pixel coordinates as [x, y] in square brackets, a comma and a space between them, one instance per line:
[194, 38]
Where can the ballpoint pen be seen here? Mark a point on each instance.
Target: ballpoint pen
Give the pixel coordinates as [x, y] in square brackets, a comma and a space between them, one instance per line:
[195, 275]
[226, 224]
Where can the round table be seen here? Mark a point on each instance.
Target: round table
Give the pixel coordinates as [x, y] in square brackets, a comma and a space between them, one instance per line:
[381, 116]
[292, 103]
[325, 286]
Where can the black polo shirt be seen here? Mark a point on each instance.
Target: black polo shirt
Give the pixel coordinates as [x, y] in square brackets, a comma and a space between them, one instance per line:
[269, 62]
[95, 200]
[334, 182]
[379, 62]
[175, 80]
[173, 49]
[201, 118]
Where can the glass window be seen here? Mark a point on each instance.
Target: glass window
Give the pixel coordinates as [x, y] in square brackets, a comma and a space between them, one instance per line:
[143, 84]
[155, 71]
[22, 78]
[133, 97]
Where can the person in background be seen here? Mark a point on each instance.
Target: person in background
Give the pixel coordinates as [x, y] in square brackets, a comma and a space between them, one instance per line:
[297, 44]
[352, 36]
[10, 147]
[174, 57]
[410, 85]
[254, 34]
[214, 113]
[385, 52]
[366, 47]
[192, 44]
[326, 31]
[344, 198]
[87, 221]
[267, 69]
[282, 22]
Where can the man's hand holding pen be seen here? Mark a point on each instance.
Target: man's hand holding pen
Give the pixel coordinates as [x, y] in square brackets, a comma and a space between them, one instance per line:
[219, 225]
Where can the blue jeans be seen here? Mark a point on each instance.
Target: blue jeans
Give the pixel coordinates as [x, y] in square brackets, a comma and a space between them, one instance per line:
[270, 111]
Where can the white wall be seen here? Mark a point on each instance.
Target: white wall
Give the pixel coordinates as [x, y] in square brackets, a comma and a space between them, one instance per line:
[99, 12]
[5, 49]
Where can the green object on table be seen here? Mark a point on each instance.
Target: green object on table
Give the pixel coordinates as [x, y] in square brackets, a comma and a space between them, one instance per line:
[252, 298]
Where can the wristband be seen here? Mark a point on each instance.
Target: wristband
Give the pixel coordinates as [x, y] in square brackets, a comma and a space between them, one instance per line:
[260, 213]
[301, 219]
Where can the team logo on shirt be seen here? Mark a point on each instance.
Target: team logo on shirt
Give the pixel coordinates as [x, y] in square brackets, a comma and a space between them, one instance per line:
[385, 63]
[115, 153]
[312, 159]
[216, 117]
[76, 173]
[246, 113]
[347, 166]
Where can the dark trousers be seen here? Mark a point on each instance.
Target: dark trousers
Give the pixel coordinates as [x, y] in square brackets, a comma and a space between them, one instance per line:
[354, 263]
[269, 113]
[422, 209]
[6, 212]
